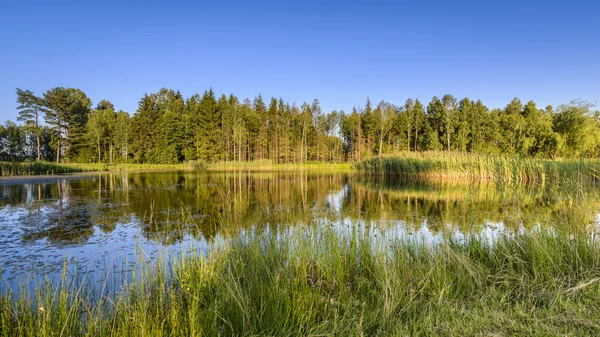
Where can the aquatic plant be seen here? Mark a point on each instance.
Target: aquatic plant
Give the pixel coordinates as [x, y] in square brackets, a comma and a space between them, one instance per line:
[501, 170]
[34, 168]
[338, 280]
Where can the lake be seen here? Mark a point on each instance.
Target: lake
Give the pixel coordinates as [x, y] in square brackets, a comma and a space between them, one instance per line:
[104, 227]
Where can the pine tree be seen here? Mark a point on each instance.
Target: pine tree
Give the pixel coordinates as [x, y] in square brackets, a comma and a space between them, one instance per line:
[67, 110]
[145, 130]
[463, 130]
[30, 107]
[208, 135]
[419, 121]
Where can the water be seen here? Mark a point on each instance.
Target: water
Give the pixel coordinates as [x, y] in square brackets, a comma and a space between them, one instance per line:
[104, 227]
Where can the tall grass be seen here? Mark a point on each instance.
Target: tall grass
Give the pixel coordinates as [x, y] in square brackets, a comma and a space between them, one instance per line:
[269, 165]
[45, 168]
[339, 281]
[505, 170]
[192, 165]
[35, 168]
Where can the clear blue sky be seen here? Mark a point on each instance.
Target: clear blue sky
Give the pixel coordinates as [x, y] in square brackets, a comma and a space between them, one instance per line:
[339, 51]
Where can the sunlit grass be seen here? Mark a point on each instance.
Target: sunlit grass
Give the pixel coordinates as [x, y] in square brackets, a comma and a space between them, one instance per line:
[35, 168]
[269, 165]
[340, 280]
[45, 168]
[502, 170]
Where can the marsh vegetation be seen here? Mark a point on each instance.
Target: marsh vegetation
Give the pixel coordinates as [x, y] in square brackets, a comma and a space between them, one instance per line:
[297, 253]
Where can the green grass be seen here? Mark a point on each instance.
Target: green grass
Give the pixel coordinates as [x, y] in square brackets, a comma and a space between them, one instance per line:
[35, 168]
[45, 168]
[504, 170]
[136, 167]
[269, 165]
[329, 281]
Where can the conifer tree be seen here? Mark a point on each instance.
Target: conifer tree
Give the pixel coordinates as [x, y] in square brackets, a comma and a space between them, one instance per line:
[30, 107]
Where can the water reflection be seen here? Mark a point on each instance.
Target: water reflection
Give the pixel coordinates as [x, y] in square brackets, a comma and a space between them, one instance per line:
[472, 208]
[103, 218]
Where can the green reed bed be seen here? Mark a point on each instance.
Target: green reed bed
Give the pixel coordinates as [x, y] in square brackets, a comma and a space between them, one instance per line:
[45, 168]
[35, 168]
[504, 170]
[137, 167]
[269, 165]
[326, 281]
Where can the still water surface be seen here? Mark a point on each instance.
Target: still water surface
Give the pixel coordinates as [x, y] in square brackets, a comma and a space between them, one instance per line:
[105, 224]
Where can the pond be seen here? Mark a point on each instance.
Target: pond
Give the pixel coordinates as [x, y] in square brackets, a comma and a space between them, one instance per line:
[97, 225]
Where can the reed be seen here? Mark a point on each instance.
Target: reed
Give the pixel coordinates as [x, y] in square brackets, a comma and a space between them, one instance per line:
[45, 168]
[338, 280]
[35, 168]
[269, 165]
[501, 170]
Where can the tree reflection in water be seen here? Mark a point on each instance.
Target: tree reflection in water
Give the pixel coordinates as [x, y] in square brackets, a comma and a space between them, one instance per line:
[106, 214]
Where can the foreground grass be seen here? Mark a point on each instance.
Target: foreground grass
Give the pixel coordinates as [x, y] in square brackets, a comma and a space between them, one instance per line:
[505, 170]
[325, 282]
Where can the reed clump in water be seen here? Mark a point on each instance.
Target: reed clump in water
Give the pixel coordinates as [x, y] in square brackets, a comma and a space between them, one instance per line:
[339, 280]
[502, 170]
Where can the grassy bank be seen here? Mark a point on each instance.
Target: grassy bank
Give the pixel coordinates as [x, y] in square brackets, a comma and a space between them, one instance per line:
[45, 168]
[318, 282]
[34, 168]
[136, 167]
[269, 165]
[505, 170]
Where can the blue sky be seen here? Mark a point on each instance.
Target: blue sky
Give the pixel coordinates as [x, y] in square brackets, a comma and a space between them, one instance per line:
[339, 51]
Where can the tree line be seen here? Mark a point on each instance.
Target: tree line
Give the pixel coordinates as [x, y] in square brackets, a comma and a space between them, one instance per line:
[63, 126]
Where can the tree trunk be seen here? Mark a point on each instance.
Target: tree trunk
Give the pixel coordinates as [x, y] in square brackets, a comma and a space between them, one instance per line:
[37, 135]
[408, 138]
[416, 137]
[126, 140]
[302, 143]
[58, 140]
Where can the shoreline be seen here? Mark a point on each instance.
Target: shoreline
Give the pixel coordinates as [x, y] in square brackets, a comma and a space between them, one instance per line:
[40, 179]
[10, 180]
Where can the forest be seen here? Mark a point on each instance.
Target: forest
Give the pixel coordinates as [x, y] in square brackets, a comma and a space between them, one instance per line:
[62, 125]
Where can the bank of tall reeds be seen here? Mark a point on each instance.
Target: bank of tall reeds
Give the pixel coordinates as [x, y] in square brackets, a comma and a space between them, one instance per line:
[505, 170]
[121, 167]
[339, 282]
[45, 168]
[35, 168]
[269, 165]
